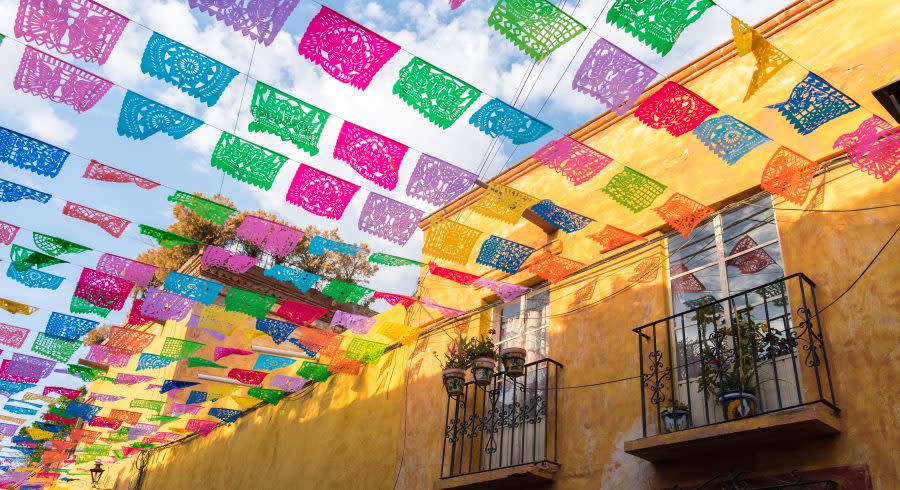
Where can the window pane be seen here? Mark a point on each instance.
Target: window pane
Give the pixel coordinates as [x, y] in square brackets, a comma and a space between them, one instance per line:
[536, 345]
[537, 308]
[510, 324]
[697, 250]
[754, 268]
[751, 225]
[690, 290]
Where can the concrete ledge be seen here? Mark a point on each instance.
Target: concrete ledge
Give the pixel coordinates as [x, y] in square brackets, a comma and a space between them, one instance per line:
[806, 422]
[525, 476]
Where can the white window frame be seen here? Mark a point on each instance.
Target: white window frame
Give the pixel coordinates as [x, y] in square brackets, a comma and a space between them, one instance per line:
[519, 340]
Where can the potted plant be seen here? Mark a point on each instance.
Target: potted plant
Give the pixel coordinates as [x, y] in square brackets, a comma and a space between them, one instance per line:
[513, 359]
[454, 365]
[483, 354]
[728, 364]
[675, 417]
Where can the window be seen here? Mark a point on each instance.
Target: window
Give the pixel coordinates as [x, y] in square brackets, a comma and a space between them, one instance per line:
[731, 253]
[524, 323]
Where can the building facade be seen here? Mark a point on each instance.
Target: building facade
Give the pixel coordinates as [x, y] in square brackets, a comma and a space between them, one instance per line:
[755, 353]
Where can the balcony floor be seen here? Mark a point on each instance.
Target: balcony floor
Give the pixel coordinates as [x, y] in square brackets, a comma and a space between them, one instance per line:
[515, 477]
[805, 422]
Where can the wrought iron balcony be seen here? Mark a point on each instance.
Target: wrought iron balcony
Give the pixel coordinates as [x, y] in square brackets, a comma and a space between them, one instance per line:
[510, 422]
[755, 352]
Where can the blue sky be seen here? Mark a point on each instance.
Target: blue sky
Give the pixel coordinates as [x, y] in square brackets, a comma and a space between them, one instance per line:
[459, 42]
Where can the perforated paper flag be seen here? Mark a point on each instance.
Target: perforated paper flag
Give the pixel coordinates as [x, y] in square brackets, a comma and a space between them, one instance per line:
[192, 287]
[633, 189]
[275, 238]
[68, 327]
[16, 308]
[345, 292]
[34, 278]
[573, 159]
[163, 305]
[30, 154]
[12, 192]
[291, 119]
[50, 78]
[165, 238]
[537, 27]
[503, 203]
[812, 103]
[553, 268]
[611, 238]
[503, 254]
[751, 262]
[173, 384]
[656, 23]
[394, 299]
[363, 350]
[221, 352]
[128, 340]
[357, 324]
[321, 342]
[131, 379]
[246, 161]
[98, 171]
[729, 138]
[153, 405]
[8, 233]
[195, 362]
[104, 355]
[243, 301]
[188, 70]
[174, 348]
[375, 157]
[216, 212]
[319, 244]
[301, 279]
[439, 96]
[320, 193]
[266, 362]
[438, 182]
[459, 277]
[80, 28]
[141, 118]
[287, 383]
[56, 246]
[260, 22]
[683, 213]
[789, 175]
[267, 395]
[342, 365]
[131, 270]
[278, 330]
[226, 415]
[347, 51]
[300, 313]
[612, 76]
[219, 257]
[54, 348]
[314, 371]
[23, 258]
[103, 290]
[497, 118]
[392, 260]
[874, 147]
[389, 219]
[675, 109]
[505, 290]
[153, 361]
[111, 224]
[769, 59]
[247, 376]
[568, 221]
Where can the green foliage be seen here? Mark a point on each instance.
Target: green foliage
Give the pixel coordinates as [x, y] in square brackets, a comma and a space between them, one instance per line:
[456, 356]
[483, 346]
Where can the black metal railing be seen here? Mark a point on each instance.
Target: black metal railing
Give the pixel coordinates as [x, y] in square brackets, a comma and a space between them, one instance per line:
[509, 422]
[731, 358]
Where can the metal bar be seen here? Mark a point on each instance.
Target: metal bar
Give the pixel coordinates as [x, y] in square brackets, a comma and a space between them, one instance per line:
[812, 339]
[641, 379]
[771, 350]
[281, 352]
[812, 293]
[687, 374]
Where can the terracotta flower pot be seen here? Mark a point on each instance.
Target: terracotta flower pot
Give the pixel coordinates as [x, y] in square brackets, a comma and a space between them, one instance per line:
[513, 361]
[454, 381]
[483, 369]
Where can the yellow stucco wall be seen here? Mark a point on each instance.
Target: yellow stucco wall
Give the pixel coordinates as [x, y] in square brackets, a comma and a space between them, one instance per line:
[388, 423]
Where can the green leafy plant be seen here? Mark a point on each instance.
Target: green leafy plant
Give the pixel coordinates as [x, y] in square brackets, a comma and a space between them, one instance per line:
[728, 356]
[483, 346]
[456, 356]
[675, 405]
